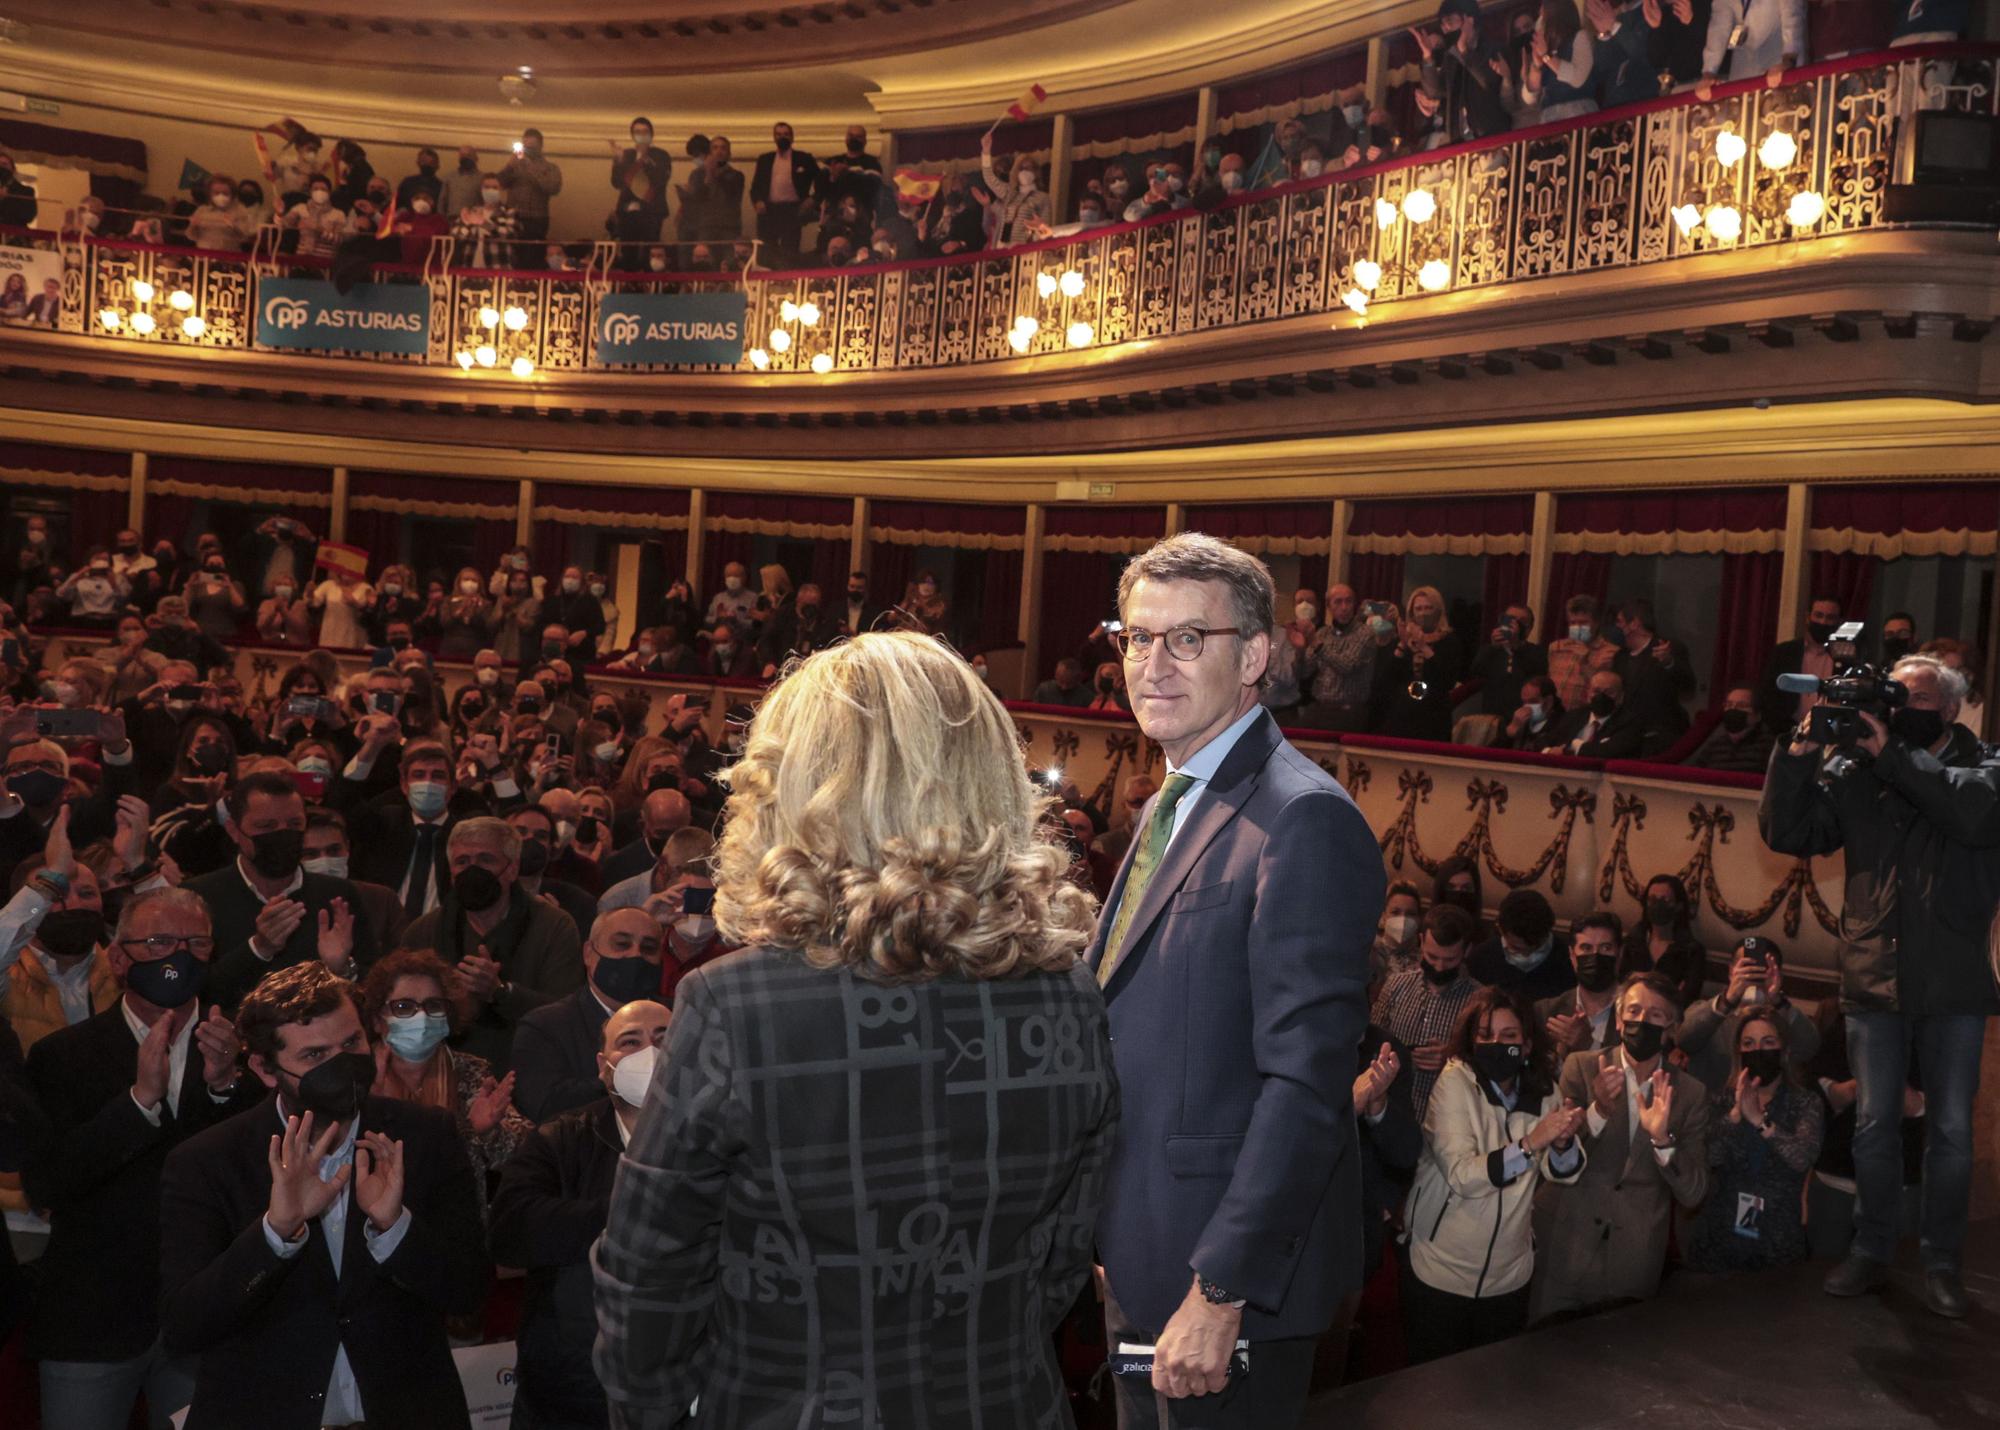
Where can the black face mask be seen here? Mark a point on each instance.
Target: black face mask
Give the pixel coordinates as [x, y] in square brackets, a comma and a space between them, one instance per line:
[36, 788]
[1602, 705]
[168, 982]
[663, 779]
[476, 889]
[1106, 686]
[551, 649]
[429, 166]
[528, 704]
[68, 933]
[332, 1092]
[1435, 976]
[1498, 1062]
[1642, 1040]
[624, 980]
[855, 146]
[1766, 1065]
[1919, 729]
[208, 759]
[784, 143]
[276, 853]
[1662, 913]
[1894, 648]
[808, 608]
[534, 857]
[1820, 631]
[1596, 972]
[1736, 721]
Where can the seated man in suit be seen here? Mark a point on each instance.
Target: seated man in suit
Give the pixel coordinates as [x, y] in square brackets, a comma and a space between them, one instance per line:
[322, 1237]
[1605, 729]
[554, 1198]
[400, 835]
[660, 814]
[36, 780]
[120, 1091]
[511, 951]
[537, 828]
[1581, 1018]
[328, 851]
[269, 912]
[556, 1045]
[1525, 954]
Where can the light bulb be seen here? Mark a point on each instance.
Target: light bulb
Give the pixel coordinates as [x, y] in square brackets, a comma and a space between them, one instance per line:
[822, 363]
[759, 359]
[1019, 340]
[1355, 299]
[142, 323]
[489, 316]
[1730, 148]
[1385, 214]
[1419, 206]
[516, 319]
[1028, 325]
[1434, 276]
[1724, 222]
[465, 360]
[1807, 208]
[808, 315]
[1778, 150]
[111, 318]
[524, 366]
[1080, 335]
[1045, 284]
[143, 291]
[485, 355]
[181, 300]
[194, 325]
[788, 311]
[1071, 284]
[781, 341]
[1368, 274]
[1687, 218]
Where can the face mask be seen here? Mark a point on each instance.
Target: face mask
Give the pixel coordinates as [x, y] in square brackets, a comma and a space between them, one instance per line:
[1642, 1040]
[646, 649]
[467, 162]
[1766, 1065]
[1919, 729]
[1312, 168]
[1213, 157]
[1581, 634]
[63, 693]
[534, 858]
[1092, 215]
[1601, 706]
[1435, 976]
[724, 648]
[476, 889]
[1894, 648]
[249, 198]
[489, 196]
[332, 1092]
[1306, 611]
[416, 1037]
[732, 583]
[66, 933]
[1397, 928]
[168, 982]
[1498, 1062]
[783, 141]
[1026, 182]
[1119, 188]
[528, 704]
[428, 798]
[624, 980]
[571, 585]
[1736, 721]
[427, 166]
[486, 675]
[1106, 685]
[399, 643]
[695, 928]
[1232, 181]
[392, 588]
[1461, 898]
[1596, 972]
[808, 608]
[657, 264]
[222, 201]
[469, 588]
[642, 141]
[597, 589]
[275, 853]
[1534, 709]
[334, 866]
[1175, 183]
[633, 1075]
[1820, 632]
[551, 649]
[1662, 913]
[1533, 957]
[565, 831]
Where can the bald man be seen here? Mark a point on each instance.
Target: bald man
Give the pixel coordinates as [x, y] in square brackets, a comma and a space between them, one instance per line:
[556, 1045]
[662, 812]
[554, 1196]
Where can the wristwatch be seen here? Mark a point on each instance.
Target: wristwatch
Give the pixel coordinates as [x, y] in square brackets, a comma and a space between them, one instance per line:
[1215, 1295]
[55, 883]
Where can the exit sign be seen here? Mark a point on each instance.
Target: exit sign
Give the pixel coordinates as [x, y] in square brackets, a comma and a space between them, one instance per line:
[1103, 491]
[43, 106]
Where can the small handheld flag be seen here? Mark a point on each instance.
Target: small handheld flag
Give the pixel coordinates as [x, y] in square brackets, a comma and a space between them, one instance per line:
[1021, 108]
[351, 559]
[917, 186]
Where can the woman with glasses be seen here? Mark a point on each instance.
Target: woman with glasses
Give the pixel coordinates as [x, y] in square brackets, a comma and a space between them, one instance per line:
[409, 1016]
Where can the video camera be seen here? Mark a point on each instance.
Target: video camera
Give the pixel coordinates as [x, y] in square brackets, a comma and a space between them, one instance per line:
[1854, 686]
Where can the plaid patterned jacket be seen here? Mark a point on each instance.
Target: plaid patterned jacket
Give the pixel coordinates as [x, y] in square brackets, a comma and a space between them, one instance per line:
[854, 1204]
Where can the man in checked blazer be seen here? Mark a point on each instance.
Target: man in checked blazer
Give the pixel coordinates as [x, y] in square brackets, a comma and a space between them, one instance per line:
[1233, 953]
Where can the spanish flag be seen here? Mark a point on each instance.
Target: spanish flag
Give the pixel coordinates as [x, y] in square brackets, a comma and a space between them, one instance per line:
[351, 559]
[1021, 108]
[917, 186]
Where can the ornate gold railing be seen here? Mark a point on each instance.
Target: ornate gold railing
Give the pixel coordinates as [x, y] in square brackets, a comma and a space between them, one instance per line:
[1581, 197]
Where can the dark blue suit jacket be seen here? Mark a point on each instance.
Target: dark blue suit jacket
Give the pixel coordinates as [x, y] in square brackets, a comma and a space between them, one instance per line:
[1237, 1013]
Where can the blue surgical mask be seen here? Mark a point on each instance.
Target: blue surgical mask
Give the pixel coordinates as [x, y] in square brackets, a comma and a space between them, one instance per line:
[1581, 634]
[416, 1037]
[428, 798]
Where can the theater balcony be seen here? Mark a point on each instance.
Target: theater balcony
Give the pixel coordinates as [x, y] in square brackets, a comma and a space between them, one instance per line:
[1668, 256]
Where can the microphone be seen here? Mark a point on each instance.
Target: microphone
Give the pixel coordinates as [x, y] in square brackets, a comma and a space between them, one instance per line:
[1798, 683]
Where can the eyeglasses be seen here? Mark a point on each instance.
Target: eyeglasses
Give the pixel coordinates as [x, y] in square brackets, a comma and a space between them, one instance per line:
[1135, 643]
[410, 1007]
[159, 945]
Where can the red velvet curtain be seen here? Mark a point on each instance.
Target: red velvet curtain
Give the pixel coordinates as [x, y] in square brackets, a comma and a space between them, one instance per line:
[1907, 506]
[1574, 573]
[1000, 602]
[1506, 585]
[1080, 588]
[380, 534]
[95, 517]
[1746, 617]
[1376, 575]
[1847, 576]
[1133, 129]
[1444, 516]
[934, 148]
[829, 564]
[384, 534]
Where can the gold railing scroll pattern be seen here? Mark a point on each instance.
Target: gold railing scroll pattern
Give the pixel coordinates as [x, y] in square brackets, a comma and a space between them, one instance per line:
[1485, 798]
[1709, 825]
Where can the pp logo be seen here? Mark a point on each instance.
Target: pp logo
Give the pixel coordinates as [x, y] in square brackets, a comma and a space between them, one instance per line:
[620, 328]
[282, 313]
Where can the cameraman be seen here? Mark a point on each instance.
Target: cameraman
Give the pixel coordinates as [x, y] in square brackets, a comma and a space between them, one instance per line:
[1915, 807]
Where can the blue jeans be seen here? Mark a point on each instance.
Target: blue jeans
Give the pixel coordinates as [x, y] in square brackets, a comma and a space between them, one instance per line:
[1947, 1048]
[99, 1394]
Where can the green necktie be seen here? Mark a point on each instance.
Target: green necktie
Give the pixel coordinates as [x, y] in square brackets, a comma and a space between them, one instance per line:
[1159, 830]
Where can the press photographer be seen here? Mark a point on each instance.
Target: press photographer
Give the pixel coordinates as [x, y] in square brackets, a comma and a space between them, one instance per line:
[1913, 801]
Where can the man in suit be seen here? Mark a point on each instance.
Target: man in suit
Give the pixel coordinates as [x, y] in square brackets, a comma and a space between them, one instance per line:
[1645, 1140]
[322, 1237]
[556, 1045]
[1605, 729]
[1808, 655]
[35, 775]
[120, 1091]
[400, 836]
[857, 614]
[269, 912]
[1234, 1202]
[1583, 1018]
[554, 1198]
[780, 186]
[660, 814]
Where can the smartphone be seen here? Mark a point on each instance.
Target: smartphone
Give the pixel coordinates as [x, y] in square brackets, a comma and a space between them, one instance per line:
[697, 901]
[310, 707]
[185, 692]
[519, 148]
[586, 829]
[67, 724]
[553, 742]
[312, 787]
[383, 702]
[1375, 608]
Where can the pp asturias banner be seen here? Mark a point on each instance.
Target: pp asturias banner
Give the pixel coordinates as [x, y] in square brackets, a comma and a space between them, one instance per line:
[680, 328]
[307, 313]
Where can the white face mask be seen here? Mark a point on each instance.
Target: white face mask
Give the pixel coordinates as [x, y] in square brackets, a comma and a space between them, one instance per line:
[607, 752]
[222, 201]
[1398, 928]
[1534, 709]
[489, 196]
[1305, 611]
[733, 583]
[422, 206]
[565, 831]
[1175, 183]
[1026, 182]
[657, 264]
[1232, 181]
[1581, 633]
[695, 928]
[320, 198]
[283, 593]
[597, 588]
[633, 1074]
[486, 675]
[1312, 168]
[470, 588]
[571, 585]
[333, 865]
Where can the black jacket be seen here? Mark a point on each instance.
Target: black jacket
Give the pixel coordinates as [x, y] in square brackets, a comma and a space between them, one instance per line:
[1620, 737]
[233, 907]
[805, 176]
[96, 1171]
[540, 958]
[788, 633]
[1781, 711]
[1921, 838]
[554, 1196]
[555, 1055]
[266, 1327]
[1654, 692]
[580, 611]
[1554, 974]
[23, 1125]
[382, 833]
[1389, 1147]
[92, 817]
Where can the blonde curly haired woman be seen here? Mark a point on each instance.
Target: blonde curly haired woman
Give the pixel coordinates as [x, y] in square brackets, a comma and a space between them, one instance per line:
[864, 1183]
